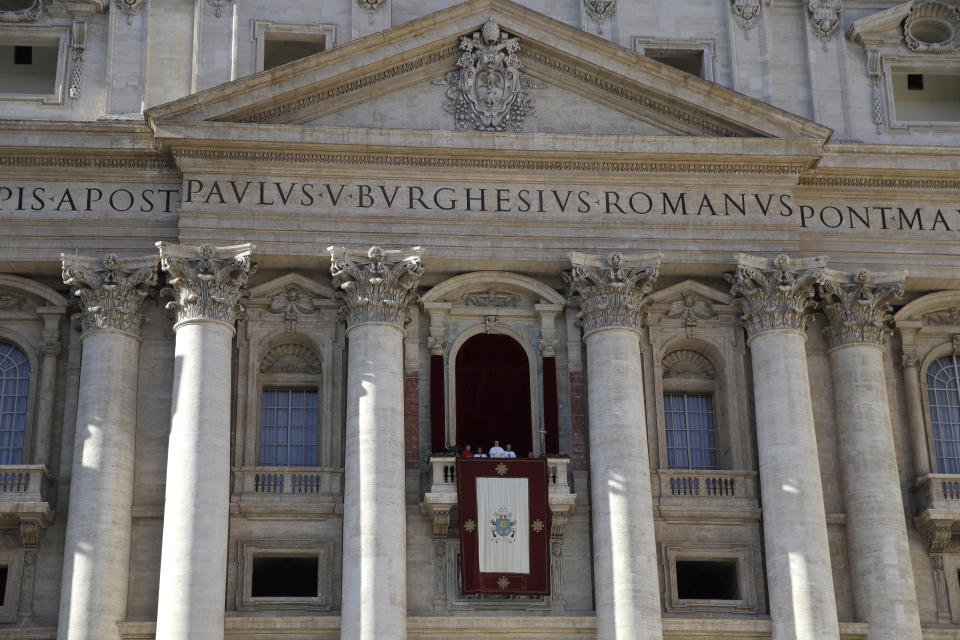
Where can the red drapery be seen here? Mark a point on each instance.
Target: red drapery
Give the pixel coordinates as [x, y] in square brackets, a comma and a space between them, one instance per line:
[493, 394]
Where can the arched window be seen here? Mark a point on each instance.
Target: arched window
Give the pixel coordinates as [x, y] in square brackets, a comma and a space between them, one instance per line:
[14, 390]
[290, 407]
[943, 393]
[688, 411]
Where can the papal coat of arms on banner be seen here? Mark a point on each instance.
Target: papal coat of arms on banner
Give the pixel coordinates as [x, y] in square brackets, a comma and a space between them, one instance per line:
[503, 526]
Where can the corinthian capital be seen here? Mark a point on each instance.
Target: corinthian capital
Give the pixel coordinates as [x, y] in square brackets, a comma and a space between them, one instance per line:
[776, 293]
[111, 289]
[857, 305]
[610, 291]
[375, 286]
[205, 282]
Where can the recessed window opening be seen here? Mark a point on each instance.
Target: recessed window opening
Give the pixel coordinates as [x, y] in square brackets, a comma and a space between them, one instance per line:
[289, 431]
[943, 395]
[927, 97]
[3, 585]
[279, 51]
[14, 388]
[29, 68]
[689, 60]
[707, 580]
[285, 577]
[691, 431]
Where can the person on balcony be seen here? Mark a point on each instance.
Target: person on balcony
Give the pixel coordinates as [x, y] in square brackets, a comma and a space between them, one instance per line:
[496, 451]
[480, 453]
[466, 453]
[509, 453]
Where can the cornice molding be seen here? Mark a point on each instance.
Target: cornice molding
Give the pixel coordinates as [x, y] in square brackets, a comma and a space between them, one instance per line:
[925, 184]
[155, 164]
[455, 161]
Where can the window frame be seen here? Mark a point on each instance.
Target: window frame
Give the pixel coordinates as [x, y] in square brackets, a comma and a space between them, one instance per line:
[686, 393]
[30, 35]
[13, 559]
[26, 450]
[248, 549]
[289, 382]
[705, 45]
[741, 554]
[262, 29]
[915, 63]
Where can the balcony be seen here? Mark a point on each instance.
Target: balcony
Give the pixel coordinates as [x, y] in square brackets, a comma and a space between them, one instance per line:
[23, 500]
[938, 495]
[308, 489]
[683, 493]
[440, 500]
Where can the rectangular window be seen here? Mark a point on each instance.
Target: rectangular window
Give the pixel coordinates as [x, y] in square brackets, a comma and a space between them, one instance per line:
[691, 432]
[927, 97]
[3, 585]
[285, 577]
[707, 580]
[289, 432]
[689, 60]
[281, 49]
[29, 69]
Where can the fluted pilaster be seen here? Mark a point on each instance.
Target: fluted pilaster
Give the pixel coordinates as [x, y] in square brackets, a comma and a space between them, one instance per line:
[375, 288]
[97, 546]
[858, 310]
[206, 283]
[610, 293]
[776, 298]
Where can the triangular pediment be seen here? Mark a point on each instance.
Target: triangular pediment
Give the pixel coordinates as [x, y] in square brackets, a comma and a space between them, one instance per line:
[578, 83]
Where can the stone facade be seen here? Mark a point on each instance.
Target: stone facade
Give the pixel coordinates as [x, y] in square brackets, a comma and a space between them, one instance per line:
[190, 229]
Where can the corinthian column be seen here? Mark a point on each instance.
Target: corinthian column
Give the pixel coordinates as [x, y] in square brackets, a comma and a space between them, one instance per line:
[882, 575]
[610, 293]
[775, 296]
[375, 287]
[205, 283]
[96, 562]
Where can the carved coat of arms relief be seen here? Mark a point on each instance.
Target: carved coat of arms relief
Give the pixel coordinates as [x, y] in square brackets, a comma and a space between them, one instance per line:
[488, 92]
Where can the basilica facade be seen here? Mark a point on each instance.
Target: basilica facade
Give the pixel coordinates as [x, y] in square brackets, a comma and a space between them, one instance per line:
[266, 271]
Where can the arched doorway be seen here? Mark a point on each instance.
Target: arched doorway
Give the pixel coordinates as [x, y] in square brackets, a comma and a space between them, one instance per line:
[493, 393]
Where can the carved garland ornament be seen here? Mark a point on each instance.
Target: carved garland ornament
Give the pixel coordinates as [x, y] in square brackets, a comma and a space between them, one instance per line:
[376, 286]
[610, 291]
[746, 13]
[491, 298]
[824, 18]
[111, 289]
[932, 27]
[857, 306]
[488, 90]
[291, 302]
[129, 8]
[371, 7]
[205, 281]
[78, 47]
[777, 293]
[599, 10]
[27, 14]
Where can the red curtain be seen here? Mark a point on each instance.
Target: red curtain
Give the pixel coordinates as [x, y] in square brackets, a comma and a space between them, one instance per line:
[493, 394]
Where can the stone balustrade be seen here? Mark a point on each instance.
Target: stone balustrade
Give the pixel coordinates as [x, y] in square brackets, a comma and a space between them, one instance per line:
[694, 486]
[293, 484]
[443, 475]
[23, 483]
[938, 499]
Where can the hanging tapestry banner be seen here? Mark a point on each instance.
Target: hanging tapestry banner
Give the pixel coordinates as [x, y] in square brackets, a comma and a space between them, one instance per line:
[504, 526]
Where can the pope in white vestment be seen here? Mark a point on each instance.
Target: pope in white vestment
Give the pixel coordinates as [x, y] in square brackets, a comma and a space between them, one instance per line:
[496, 451]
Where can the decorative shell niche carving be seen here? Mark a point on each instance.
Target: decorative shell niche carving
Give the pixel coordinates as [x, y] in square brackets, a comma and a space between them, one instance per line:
[290, 358]
[685, 363]
[932, 27]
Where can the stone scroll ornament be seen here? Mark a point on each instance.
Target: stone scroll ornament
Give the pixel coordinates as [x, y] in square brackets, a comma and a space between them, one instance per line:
[205, 282]
[776, 293]
[857, 305]
[488, 91]
[375, 286]
[610, 291]
[824, 18]
[110, 289]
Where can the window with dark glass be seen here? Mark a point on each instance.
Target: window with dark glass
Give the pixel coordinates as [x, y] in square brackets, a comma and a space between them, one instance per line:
[943, 393]
[289, 433]
[691, 431]
[285, 577]
[14, 389]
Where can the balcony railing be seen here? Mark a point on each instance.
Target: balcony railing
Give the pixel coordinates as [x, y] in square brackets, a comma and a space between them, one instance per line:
[287, 483]
[23, 483]
[443, 474]
[696, 488]
[939, 491]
